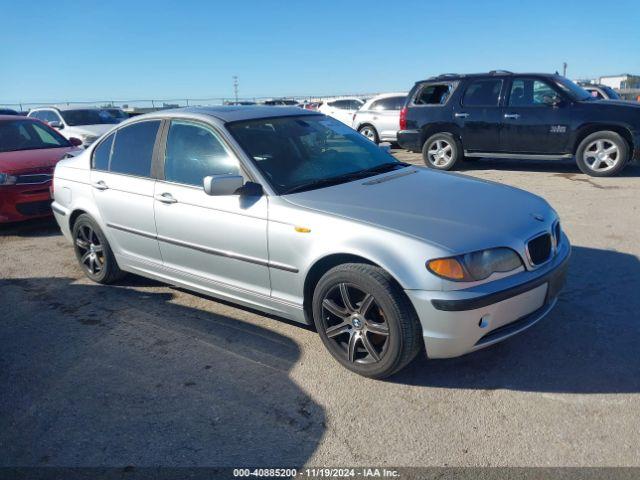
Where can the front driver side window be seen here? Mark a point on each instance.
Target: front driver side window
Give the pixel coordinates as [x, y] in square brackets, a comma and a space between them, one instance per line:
[526, 92]
[194, 152]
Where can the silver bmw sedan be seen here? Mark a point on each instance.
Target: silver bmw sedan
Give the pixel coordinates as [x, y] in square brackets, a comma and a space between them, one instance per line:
[295, 214]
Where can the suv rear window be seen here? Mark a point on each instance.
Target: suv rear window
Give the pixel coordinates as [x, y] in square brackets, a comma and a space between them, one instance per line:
[433, 94]
[483, 93]
[389, 103]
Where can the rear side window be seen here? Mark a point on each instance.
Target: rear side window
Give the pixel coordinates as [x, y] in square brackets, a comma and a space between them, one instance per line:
[102, 153]
[434, 94]
[390, 103]
[341, 104]
[133, 149]
[483, 93]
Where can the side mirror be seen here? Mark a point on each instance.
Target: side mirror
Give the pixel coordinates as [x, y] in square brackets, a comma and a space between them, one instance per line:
[216, 185]
[385, 147]
[552, 100]
[56, 124]
[76, 142]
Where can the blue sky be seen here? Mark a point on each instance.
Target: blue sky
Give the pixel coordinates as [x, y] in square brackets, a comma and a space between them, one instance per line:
[137, 49]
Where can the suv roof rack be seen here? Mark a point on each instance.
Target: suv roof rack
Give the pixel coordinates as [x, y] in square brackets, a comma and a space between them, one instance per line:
[498, 72]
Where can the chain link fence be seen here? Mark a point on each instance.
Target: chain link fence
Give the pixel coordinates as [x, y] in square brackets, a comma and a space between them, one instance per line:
[142, 105]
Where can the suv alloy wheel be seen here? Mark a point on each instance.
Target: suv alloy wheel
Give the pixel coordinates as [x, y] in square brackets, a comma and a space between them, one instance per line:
[602, 154]
[441, 151]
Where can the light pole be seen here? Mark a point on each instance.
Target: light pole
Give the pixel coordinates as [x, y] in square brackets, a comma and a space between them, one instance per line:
[235, 87]
[564, 69]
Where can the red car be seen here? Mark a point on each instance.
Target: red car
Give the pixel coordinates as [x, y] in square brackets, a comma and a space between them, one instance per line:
[29, 151]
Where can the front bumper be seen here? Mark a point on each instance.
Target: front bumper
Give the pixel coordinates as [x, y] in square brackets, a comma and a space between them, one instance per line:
[22, 202]
[463, 321]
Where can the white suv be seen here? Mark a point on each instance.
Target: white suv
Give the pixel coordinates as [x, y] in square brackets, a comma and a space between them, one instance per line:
[379, 118]
[341, 109]
[86, 124]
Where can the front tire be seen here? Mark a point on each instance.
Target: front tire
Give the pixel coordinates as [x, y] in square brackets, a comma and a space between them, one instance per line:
[93, 251]
[602, 154]
[365, 320]
[442, 151]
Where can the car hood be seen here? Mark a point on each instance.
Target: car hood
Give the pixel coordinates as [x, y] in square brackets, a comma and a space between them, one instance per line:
[37, 161]
[94, 130]
[614, 103]
[455, 212]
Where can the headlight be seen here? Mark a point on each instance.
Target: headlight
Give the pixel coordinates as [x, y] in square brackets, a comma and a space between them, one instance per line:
[475, 266]
[6, 179]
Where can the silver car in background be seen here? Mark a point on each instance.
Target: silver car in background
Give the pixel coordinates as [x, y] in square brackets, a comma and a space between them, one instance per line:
[379, 117]
[86, 124]
[293, 213]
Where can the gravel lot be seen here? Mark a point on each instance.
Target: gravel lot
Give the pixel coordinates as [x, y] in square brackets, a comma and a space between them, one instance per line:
[145, 374]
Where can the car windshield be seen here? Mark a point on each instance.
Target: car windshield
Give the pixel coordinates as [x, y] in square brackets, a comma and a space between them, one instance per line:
[308, 152]
[29, 135]
[613, 95]
[574, 91]
[87, 117]
[116, 113]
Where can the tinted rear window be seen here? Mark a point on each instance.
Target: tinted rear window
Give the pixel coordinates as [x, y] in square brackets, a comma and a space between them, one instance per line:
[389, 103]
[483, 93]
[436, 94]
[133, 149]
[102, 153]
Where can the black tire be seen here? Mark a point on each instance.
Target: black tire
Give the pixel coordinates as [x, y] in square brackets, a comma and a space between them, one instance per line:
[93, 251]
[608, 165]
[442, 151]
[373, 136]
[389, 310]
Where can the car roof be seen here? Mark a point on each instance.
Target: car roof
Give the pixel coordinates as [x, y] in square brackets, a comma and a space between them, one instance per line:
[235, 113]
[17, 117]
[67, 107]
[387, 95]
[492, 73]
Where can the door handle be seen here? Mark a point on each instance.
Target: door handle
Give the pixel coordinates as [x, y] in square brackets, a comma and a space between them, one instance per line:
[100, 185]
[513, 116]
[461, 115]
[166, 198]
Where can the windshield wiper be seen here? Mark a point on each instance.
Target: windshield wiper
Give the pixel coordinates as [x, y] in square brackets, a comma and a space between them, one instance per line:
[384, 167]
[347, 177]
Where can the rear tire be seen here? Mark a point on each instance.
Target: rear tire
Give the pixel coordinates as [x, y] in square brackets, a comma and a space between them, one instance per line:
[370, 132]
[365, 320]
[93, 251]
[602, 154]
[442, 151]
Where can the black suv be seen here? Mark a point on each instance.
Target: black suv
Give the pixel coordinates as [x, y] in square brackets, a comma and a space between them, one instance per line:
[507, 115]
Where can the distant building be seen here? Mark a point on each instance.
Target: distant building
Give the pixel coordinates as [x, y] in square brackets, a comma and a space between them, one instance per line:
[621, 82]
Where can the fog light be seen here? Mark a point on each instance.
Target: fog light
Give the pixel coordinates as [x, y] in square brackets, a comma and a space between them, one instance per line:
[484, 321]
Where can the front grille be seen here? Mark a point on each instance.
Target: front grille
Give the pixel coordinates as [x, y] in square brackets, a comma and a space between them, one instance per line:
[42, 207]
[539, 249]
[557, 232]
[33, 179]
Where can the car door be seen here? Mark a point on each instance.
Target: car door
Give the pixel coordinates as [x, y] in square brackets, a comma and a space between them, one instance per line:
[386, 115]
[479, 115]
[537, 118]
[208, 239]
[123, 189]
